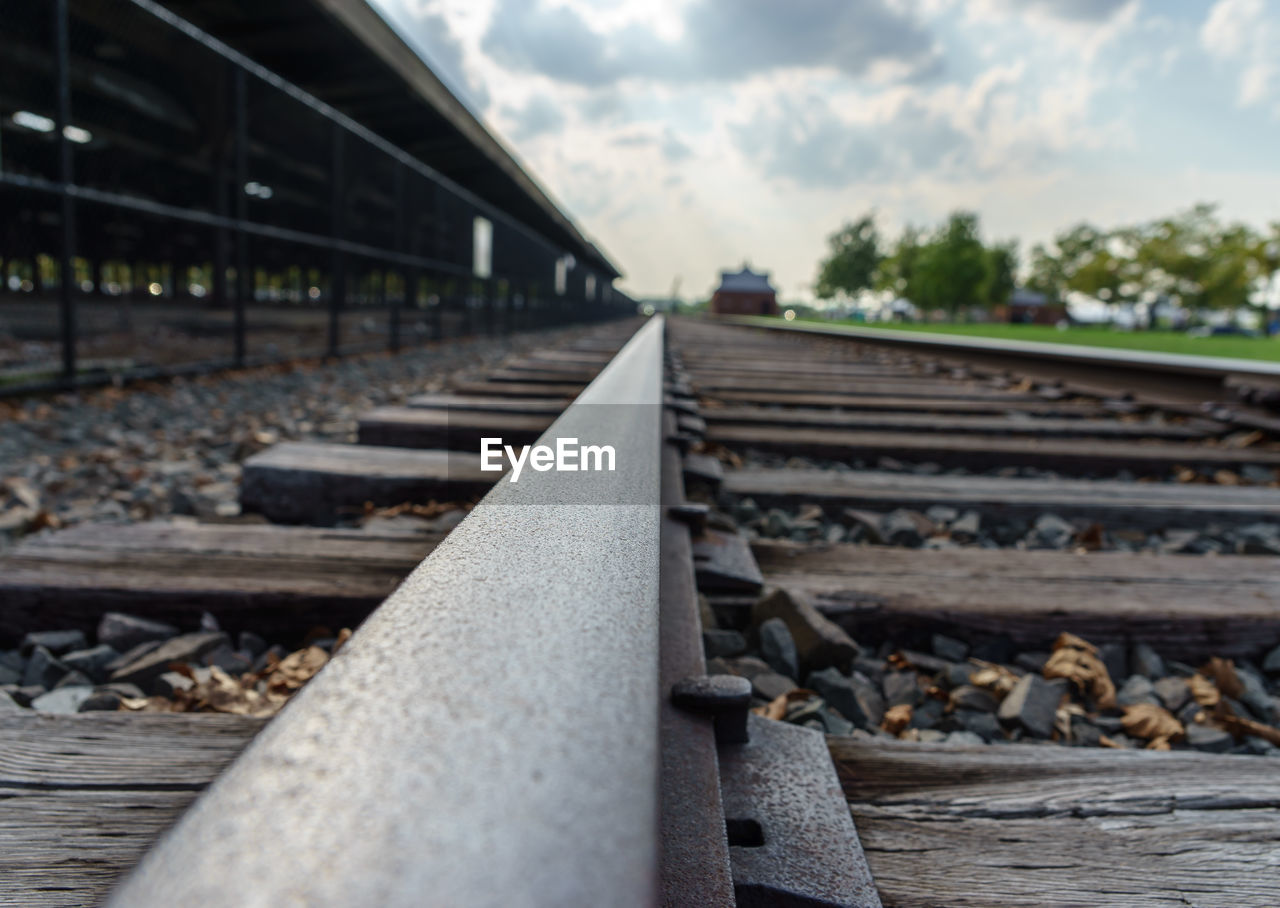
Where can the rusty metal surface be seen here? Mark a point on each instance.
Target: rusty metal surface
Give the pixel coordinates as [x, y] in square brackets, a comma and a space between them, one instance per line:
[695, 850]
[487, 736]
[783, 801]
[723, 563]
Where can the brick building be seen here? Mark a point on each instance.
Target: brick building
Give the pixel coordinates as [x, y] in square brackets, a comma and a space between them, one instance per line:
[744, 293]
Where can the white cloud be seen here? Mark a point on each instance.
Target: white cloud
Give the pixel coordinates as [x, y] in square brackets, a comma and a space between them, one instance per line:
[1240, 32]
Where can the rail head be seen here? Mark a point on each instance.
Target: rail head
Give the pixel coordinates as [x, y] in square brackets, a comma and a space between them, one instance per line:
[489, 735]
[1142, 360]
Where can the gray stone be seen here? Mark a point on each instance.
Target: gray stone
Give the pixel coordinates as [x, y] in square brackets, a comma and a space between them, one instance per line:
[941, 514]
[1031, 706]
[836, 689]
[957, 674]
[74, 679]
[1173, 693]
[906, 528]
[101, 701]
[746, 666]
[43, 669]
[984, 725]
[124, 689]
[123, 632]
[1254, 696]
[949, 648]
[1084, 733]
[871, 667]
[967, 527]
[819, 642]
[1143, 660]
[932, 736]
[186, 648]
[864, 525]
[23, 695]
[924, 662]
[778, 649]
[1271, 664]
[1137, 689]
[1032, 662]
[716, 642]
[834, 723]
[834, 534]
[968, 697]
[234, 662]
[1052, 532]
[55, 642]
[900, 688]
[1116, 660]
[92, 662]
[770, 685]
[1260, 746]
[170, 683]
[927, 714]
[1258, 539]
[275, 650]
[1208, 738]
[256, 646]
[1187, 714]
[133, 654]
[65, 700]
[966, 738]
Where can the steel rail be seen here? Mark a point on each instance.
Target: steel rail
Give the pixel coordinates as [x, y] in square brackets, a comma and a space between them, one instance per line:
[489, 736]
[1166, 377]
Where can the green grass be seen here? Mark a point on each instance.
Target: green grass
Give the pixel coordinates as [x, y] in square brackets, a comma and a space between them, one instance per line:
[1158, 341]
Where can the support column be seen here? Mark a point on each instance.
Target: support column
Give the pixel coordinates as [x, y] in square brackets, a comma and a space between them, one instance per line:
[66, 306]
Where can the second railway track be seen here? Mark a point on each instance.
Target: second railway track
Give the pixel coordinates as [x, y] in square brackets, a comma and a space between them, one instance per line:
[864, 543]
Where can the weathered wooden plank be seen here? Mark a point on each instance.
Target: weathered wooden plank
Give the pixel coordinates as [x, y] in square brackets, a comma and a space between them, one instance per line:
[318, 483]
[852, 401]
[485, 388]
[802, 370]
[451, 429]
[269, 579]
[540, 376]
[1067, 455]
[1144, 505]
[866, 387]
[958, 424]
[1188, 607]
[479, 403]
[1017, 825]
[82, 797]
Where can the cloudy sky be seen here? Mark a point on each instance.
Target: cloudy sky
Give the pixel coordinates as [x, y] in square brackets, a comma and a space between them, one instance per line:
[689, 135]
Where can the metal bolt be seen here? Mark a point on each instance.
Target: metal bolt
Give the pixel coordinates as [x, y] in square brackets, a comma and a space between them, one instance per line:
[692, 514]
[726, 698]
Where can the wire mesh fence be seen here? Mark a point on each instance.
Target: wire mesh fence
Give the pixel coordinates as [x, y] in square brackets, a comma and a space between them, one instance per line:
[166, 203]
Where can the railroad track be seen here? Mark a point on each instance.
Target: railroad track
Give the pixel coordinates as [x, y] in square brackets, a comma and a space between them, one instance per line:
[551, 707]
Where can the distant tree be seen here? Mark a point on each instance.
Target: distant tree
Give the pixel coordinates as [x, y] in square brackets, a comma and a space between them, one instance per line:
[951, 267]
[851, 263]
[1000, 278]
[898, 268]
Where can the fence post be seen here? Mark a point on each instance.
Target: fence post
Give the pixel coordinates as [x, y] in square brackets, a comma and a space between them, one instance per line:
[243, 283]
[338, 279]
[66, 306]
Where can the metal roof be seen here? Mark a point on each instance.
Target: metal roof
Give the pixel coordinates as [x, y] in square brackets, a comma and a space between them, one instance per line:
[346, 54]
[744, 281]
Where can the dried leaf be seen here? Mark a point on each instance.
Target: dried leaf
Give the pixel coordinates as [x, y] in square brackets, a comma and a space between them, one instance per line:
[1160, 743]
[1226, 478]
[896, 718]
[1204, 691]
[343, 636]
[776, 708]
[1077, 661]
[994, 678]
[1091, 538]
[1240, 726]
[1223, 674]
[1146, 720]
[1185, 474]
[1104, 741]
[1243, 439]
